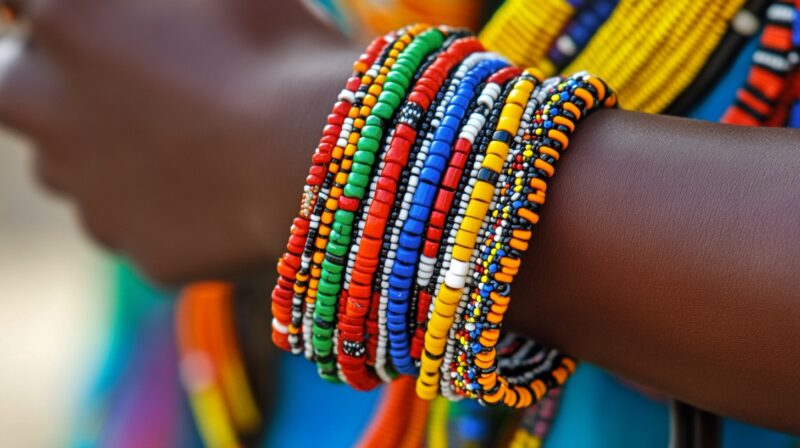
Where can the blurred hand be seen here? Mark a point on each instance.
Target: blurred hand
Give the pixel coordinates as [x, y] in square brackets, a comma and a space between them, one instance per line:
[179, 128]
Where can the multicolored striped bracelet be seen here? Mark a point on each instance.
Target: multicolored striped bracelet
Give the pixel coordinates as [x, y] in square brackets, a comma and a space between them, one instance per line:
[424, 189]
[379, 106]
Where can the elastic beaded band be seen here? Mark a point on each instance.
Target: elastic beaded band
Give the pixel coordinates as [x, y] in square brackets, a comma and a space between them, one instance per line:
[366, 98]
[472, 350]
[403, 270]
[406, 187]
[464, 334]
[367, 251]
[375, 322]
[445, 382]
[420, 202]
[452, 183]
[351, 330]
[413, 171]
[353, 192]
[343, 220]
[567, 101]
[377, 342]
[464, 329]
[365, 328]
[450, 293]
[322, 215]
[286, 322]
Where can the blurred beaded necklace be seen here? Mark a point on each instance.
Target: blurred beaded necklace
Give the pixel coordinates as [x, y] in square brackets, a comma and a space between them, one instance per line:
[649, 50]
[211, 366]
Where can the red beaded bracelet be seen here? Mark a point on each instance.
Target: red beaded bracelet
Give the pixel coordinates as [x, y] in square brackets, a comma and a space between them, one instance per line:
[283, 323]
[359, 295]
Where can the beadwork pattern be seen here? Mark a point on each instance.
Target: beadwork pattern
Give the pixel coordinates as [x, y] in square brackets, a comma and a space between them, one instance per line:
[431, 174]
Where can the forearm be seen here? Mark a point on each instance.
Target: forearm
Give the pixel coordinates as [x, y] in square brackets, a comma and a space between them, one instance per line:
[669, 252]
[303, 95]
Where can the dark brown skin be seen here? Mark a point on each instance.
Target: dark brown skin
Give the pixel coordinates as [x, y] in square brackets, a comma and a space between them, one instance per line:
[179, 93]
[669, 250]
[670, 253]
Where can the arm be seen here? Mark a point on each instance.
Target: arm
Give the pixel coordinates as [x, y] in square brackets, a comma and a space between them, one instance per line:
[194, 116]
[669, 252]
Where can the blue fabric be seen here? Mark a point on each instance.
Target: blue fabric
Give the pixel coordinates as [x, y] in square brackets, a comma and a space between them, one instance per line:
[713, 106]
[312, 412]
[139, 312]
[599, 411]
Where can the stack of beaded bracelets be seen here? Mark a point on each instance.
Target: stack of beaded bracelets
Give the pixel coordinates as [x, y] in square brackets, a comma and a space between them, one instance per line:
[418, 207]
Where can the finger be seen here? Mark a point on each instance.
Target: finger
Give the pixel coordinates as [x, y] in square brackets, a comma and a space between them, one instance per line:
[29, 88]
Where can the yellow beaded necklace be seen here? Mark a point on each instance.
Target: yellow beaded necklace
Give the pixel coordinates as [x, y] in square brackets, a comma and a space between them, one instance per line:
[523, 32]
[649, 50]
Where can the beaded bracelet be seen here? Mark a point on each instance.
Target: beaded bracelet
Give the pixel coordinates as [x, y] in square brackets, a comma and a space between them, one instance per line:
[414, 169]
[285, 324]
[453, 182]
[424, 190]
[375, 323]
[377, 334]
[453, 374]
[452, 232]
[449, 295]
[567, 101]
[325, 205]
[429, 263]
[462, 329]
[389, 248]
[345, 148]
[525, 355]
[353, 192]
[347, 325]
[368, 326]
[480, 319]
[366, 251]
[406, 188]
[403, 270]
[373, 328]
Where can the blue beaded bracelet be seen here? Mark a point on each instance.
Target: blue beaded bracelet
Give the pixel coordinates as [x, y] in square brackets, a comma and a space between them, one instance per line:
[412, 234]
